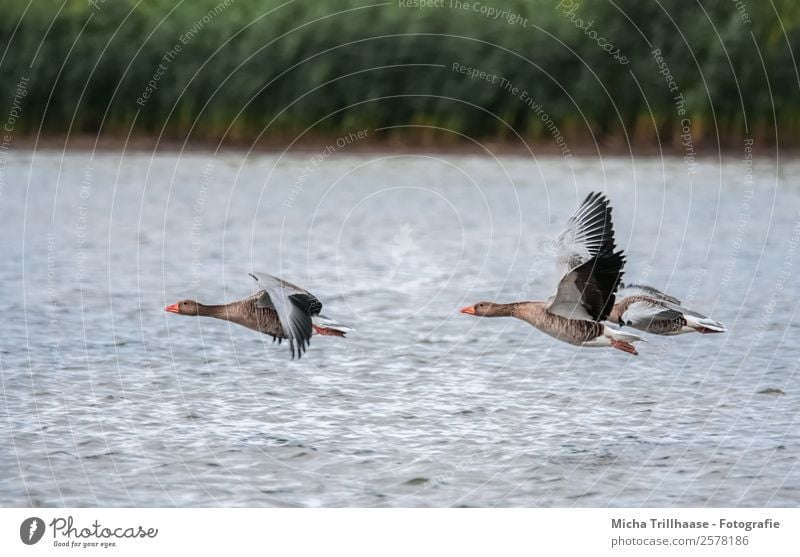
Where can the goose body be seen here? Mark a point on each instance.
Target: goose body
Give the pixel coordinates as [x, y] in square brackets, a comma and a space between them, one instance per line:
[578, 332]
[280, 310]
[589, 274]
[648, 309]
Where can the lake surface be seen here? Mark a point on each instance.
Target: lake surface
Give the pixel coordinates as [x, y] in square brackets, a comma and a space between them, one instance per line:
[107, 400]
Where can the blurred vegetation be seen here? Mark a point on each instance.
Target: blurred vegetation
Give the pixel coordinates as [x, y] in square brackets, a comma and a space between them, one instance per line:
[272, 69]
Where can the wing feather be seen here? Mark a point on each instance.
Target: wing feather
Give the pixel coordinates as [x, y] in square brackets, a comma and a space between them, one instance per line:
[641, 314]
[629, 290]
[589, 269]
[589, 232]
[294, 307]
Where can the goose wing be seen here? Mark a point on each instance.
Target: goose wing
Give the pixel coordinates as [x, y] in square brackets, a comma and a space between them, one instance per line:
[628, 290]
[294, 307]
[667, 302]
[680, 309]
[589, 268]
[642, 312]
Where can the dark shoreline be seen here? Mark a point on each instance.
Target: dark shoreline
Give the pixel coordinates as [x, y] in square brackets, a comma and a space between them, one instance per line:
[316, 144]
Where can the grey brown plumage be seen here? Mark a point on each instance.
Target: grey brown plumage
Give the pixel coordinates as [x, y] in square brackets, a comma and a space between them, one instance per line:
[589, 268]
[662, 321]
[281, 310]
[589, 271]
[572, 331]
[247, 314]
[648, 309]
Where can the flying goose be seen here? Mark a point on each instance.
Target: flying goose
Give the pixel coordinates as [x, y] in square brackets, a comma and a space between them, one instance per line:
[590, 272]
[650, 310]
[281, 310]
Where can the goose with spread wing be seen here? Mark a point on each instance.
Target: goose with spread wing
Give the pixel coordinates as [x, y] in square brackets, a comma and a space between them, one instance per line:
[590, 271]
[648, 309]
[280, 309]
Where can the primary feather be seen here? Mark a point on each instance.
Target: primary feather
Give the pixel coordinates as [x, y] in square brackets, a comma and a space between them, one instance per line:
[589, 269]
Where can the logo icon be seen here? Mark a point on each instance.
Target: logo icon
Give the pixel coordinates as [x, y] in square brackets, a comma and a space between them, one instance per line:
[403, 244]
[31, 530]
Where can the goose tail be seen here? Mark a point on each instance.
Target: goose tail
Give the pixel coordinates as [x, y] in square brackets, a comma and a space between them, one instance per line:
[327, 326]
[704, 325]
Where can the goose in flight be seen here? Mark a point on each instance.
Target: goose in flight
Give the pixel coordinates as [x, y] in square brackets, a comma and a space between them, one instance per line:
[590, 272]
[280, 309]
[650, 310]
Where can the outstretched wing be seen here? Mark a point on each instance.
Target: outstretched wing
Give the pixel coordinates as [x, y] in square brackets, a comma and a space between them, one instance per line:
[667, 301]
[589, 268]
[627, 290]
[642, 312]
[589, 232]
[294, 307]
[670, 306]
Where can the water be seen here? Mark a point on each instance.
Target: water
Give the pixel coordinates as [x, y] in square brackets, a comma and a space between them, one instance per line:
[108, 400]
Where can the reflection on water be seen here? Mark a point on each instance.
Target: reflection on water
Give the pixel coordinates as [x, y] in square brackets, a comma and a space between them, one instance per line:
[108, 400]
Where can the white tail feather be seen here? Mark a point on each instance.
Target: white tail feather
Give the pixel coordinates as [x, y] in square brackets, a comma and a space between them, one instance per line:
[698, 322]
[324, 322]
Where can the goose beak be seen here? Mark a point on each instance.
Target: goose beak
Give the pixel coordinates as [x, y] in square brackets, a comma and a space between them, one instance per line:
[469, 310]
[172, 309]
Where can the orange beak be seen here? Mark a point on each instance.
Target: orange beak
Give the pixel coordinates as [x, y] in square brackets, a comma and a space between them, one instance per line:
[172, 309]
[469, 310]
